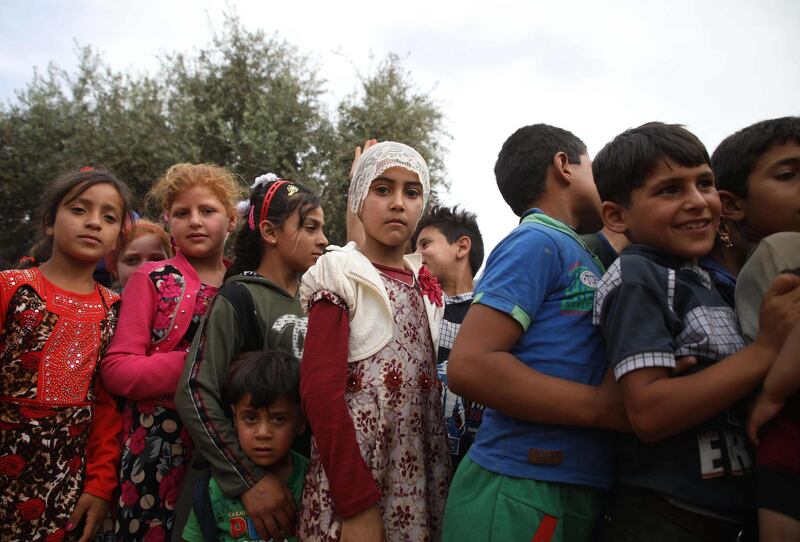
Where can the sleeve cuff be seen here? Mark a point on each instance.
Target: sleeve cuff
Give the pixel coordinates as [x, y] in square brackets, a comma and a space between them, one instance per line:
[644, 360]
[97, 491]
[506, 307]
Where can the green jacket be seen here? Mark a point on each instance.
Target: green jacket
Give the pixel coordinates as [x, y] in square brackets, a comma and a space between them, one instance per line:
[220, 340]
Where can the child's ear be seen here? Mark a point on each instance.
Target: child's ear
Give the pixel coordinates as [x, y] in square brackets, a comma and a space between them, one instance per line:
[232, 223]
[269, 233]
[463, 246]
[561, 167]
[614, 216]
[734, 207]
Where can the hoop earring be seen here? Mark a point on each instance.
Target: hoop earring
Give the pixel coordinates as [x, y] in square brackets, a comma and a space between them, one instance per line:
[724, 235]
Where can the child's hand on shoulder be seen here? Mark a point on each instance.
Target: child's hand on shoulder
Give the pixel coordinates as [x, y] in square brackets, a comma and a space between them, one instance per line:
[780, 311]
[366, 526]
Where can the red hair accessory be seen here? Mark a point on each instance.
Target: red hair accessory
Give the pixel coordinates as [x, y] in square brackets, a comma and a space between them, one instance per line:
[271, 191]
[86, 169]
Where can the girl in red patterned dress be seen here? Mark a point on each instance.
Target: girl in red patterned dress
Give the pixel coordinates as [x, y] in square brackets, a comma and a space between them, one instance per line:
[379, 460]
[162, 305]
[58, 426]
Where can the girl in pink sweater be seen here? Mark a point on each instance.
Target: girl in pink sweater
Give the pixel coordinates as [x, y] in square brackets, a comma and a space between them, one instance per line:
[162, 306]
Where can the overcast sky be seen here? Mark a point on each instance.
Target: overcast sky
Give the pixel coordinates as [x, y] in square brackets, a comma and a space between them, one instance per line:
[592, 67]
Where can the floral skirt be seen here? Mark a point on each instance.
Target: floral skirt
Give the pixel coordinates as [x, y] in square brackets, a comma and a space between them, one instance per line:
[41, 469]
[155, 456]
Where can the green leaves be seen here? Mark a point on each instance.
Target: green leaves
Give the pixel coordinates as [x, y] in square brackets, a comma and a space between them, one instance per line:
[247, 101]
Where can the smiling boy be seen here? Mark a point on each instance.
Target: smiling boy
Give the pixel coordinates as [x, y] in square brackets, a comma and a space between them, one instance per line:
[264, 392]
[684, 473]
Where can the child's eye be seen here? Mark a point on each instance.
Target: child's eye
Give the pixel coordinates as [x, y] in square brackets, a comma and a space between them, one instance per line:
[130, 261]
[668, 190]
[412, 193]
[278, 419]
[77, 210]
[705, 184]
[787, 175]
[209, 210]
[111, 219]
[382, 189]
[180, 213]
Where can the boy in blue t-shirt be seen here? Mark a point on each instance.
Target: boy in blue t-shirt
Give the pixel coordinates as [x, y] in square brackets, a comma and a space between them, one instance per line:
[528, 351]
[684, 471]
[263, 389]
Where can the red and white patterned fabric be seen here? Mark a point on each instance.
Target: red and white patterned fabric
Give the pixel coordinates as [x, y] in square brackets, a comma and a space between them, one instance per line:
[58, 426]
[394, 404]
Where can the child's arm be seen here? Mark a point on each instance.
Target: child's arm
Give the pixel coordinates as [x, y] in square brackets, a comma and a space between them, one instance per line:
[199, 402]
[102, 456]
[783, 380]
[482, 368]
[355, 229]
[127, 368]
[659, 406]
[323, 380]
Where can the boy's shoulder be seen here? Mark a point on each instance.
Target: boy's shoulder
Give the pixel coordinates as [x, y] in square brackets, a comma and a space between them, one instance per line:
[638, 266]
[783, 246]
[526, 237]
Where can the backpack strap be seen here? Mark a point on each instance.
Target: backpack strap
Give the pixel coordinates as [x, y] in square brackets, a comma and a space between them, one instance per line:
[201, 504]
[242, 300]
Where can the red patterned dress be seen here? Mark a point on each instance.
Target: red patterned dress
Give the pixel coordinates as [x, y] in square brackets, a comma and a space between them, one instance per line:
[394, 401]
[58, 427]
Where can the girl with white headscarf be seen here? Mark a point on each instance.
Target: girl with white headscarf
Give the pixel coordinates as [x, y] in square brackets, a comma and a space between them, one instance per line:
[379, 459]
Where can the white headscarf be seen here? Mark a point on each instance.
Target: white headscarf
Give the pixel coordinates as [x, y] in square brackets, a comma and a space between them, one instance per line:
[377, 159]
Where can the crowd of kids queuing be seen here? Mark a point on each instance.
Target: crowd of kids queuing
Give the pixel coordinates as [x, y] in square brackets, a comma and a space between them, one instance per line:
[625, 368]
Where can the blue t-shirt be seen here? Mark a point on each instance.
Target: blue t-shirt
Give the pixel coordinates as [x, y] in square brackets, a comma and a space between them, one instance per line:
[545, 280]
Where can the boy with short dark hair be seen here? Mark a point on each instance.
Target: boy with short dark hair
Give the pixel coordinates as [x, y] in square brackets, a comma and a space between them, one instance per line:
[683, 472]
[263, 389]
[757, 170]
[451, 246]
[528, 351]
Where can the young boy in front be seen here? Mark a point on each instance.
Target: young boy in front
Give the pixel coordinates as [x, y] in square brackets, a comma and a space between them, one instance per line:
[451, 246]
[683, 473]
[527, 350]
[263, 389]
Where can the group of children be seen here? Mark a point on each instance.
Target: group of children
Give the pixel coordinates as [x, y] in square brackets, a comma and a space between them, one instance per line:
[372, 392]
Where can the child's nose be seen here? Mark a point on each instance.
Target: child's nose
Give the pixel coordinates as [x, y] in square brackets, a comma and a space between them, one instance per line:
[194, 217]
[264, 431]
[93, 220]
[695, 198]
[397, 200]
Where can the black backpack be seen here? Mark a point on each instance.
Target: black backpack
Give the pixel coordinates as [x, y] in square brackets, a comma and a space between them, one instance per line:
[242, 301]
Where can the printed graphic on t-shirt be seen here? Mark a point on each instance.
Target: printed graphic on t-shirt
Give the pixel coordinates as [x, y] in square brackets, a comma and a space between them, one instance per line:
[298, 325]
[723, 453]
[579, 296]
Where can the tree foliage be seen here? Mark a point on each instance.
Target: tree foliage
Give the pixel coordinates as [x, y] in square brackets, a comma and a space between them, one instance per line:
[249, 102]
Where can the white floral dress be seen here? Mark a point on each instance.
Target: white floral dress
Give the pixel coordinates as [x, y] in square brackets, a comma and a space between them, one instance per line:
[394, 400]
